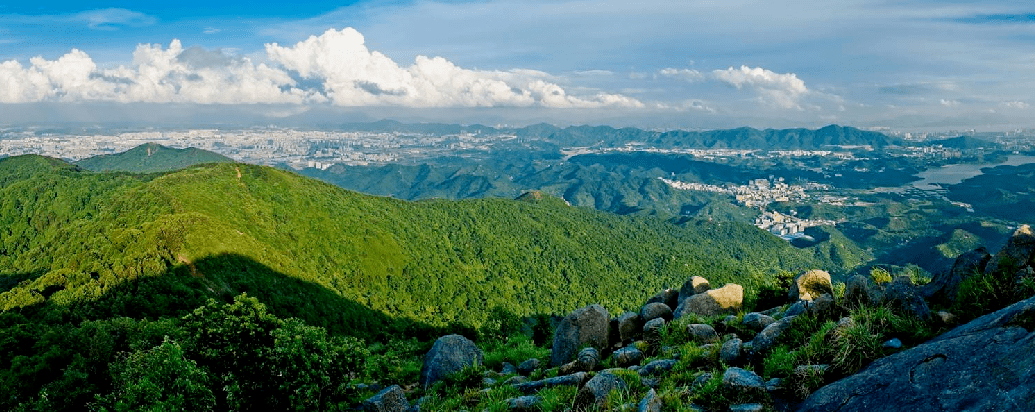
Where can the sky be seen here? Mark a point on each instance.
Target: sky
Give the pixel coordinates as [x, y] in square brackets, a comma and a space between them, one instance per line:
[662, 63]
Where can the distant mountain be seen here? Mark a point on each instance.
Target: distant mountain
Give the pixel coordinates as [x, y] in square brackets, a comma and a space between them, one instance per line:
[151, 158]
[964, 142]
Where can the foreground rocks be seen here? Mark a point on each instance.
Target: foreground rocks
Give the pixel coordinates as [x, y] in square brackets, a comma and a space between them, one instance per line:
[449, 354]
[588, 326]
[987, 365]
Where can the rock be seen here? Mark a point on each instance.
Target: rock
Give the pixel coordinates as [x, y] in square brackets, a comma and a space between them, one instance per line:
[746, 407]
[657, 367]
[901, 294]
[730, 352]
[742, 380]
[391, 399]
[984, 365]
[596, 393]
[650, 402]
[861, 290]
[893, 343]
[1017, 252]
[823, 307]
[945, 318]
[587, 326]
[488, 382]
[515, 380]
[757, 321]
[508, 369]
[669, 297]
[767, 337]
[586, 361]
[702, 333]
[629, 325]
[528, 366]
[449, 354]
[774, 385]
[701, 380]
[945, 285]
[650, 382]
[574, 379]
[652, 331]
[796, 309]
[811, 285]
[627, 356]
[693, 286]
[810, 370]
[655, 310]
[724, 300]
[528, 403]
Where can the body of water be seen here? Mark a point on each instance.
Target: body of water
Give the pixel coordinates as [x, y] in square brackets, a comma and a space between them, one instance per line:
[939, 177]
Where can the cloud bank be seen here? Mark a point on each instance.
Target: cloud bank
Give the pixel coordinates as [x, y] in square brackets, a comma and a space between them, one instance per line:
[348, 74]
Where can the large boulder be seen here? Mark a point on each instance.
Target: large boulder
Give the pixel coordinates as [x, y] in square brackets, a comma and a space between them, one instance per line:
[985, 365]
[669, 297]
[742, 380]
[627, 356]
[651, 402]
[905, 297]
[1017, 252]
[945, 285]
[449, 354]
[702, 333]
[765, 339]
[725, 300]
[391, 399]
[861, 290]
[655, 310]
[587, 326]
[757, 321]
[693, 286]
[626, 327]
[596, 393]
[811, 285]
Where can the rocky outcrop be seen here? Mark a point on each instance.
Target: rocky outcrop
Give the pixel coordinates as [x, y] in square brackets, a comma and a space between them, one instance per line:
[693, 286]
[449, 354]
[588, 326]
[669, 297]
[391, 399]
[655, 310]
[596, 393]
[945, 285]
[811, 285]
[1016, 254]
[902, 295]
[984, 365]
[725, 300]
[861, 290]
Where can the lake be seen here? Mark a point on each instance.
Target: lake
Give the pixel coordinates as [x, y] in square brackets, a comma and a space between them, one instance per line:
[939, 177]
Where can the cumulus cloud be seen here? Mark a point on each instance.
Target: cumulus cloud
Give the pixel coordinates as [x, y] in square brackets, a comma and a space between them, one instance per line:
[782, 90]
[342, 70]
[353, 75]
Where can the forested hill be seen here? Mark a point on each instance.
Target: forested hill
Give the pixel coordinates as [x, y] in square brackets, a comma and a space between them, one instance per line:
[150, 158]
[96, 245]
[741, 138]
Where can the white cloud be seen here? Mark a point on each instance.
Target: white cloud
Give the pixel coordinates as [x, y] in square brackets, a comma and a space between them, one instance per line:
[1016, 105]
[689, 75]
[110, 19]
[351, 75]
[782, 90]
[949, 103]
[211, 30]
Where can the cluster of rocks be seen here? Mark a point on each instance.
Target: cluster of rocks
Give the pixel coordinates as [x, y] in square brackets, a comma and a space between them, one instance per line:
[588, 335]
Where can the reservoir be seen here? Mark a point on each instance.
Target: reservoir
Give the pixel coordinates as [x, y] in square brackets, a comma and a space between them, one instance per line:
[939, 177]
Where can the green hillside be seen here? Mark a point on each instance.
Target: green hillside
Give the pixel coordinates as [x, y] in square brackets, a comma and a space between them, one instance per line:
[94, 245]
[151, 158]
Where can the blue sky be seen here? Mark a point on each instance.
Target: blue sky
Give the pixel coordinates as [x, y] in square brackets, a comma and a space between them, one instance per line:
[672, 63]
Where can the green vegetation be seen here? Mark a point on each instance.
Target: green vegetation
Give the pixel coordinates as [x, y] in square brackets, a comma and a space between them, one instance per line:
[151, 158]
[103, 276]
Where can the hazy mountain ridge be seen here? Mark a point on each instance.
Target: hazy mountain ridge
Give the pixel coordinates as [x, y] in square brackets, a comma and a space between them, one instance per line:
[151, 158]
